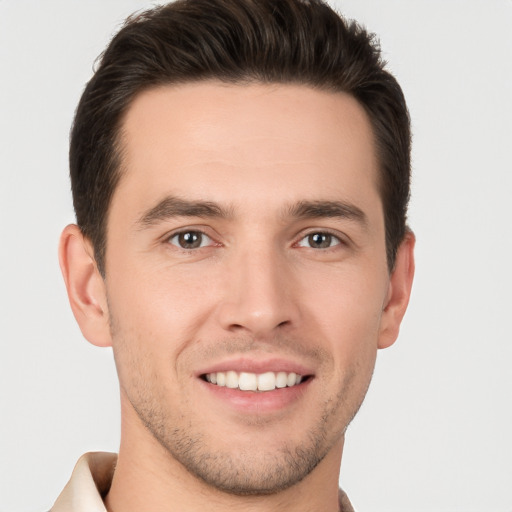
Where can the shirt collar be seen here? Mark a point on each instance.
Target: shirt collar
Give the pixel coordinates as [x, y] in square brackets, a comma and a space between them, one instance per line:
[91, 479]
[89, 482]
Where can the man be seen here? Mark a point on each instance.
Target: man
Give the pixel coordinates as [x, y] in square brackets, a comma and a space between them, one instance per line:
[240, 175]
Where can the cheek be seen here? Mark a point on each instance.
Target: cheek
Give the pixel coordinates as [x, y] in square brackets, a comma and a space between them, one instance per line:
[156, 299]
[154, 314]
[349, 302]
[347, 309]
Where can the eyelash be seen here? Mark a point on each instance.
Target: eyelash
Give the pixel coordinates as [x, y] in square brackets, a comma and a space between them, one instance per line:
[199, 235]
[332, 237]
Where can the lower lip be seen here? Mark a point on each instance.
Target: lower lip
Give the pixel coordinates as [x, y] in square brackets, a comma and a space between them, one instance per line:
[258, 401]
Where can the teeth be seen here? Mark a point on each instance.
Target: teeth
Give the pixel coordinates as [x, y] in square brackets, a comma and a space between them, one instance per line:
[254, 382]
[221, 378]
[281, 380]
[266, 381]
[248, 381]
[292, 377]
[231, 380]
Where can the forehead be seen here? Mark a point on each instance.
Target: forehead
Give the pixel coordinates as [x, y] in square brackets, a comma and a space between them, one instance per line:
[244, 143]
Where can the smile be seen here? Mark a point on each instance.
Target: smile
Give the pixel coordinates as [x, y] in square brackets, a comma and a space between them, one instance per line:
[268, 381]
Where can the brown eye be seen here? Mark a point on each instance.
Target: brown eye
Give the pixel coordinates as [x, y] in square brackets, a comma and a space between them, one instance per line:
[190, 240]
[319, 240]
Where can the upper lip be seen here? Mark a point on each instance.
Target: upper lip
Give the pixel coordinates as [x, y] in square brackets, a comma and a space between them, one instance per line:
[252, 365]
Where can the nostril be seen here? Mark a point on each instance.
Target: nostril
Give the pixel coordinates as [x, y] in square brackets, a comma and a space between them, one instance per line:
[258, 317]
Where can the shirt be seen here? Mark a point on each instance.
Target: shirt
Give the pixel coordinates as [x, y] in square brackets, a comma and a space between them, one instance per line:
[91, 480]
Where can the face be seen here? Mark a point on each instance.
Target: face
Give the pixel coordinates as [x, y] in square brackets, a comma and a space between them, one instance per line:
[246, 277]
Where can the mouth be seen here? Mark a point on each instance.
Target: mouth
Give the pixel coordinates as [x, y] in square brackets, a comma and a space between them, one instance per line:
[256, 382]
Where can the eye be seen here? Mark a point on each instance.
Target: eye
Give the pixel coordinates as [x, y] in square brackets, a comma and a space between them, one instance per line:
[190, 240]
[319, 240]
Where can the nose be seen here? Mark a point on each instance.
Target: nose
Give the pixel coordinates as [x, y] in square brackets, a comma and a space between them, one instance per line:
[259, 294]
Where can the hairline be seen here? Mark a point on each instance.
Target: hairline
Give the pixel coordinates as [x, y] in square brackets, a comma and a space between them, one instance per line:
[119, 142]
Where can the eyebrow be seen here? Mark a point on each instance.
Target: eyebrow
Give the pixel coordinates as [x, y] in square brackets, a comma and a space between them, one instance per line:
[172, 206]
[327, 209]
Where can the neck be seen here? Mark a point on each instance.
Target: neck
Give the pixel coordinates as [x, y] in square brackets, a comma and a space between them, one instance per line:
[147, 477]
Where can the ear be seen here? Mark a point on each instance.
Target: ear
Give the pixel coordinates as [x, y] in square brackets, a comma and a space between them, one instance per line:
[85, 286]
[399, 291]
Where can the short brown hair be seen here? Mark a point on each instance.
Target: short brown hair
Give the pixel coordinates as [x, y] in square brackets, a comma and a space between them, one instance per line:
[236, 41]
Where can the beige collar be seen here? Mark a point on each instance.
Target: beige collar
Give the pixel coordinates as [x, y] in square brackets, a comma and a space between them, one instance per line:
[91, 481]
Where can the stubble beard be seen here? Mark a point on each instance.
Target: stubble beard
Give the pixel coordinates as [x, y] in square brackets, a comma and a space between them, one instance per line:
[251, 472]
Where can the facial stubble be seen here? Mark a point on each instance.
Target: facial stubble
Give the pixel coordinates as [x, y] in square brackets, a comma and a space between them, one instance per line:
[251, 471]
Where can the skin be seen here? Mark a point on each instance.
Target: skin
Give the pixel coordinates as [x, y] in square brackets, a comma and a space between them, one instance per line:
[257, 290]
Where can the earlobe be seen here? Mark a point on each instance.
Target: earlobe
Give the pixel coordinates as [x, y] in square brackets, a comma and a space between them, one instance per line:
[399, 292]
[85, 286]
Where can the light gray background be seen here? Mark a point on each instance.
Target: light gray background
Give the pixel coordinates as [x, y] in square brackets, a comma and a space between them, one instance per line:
[435, 431]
